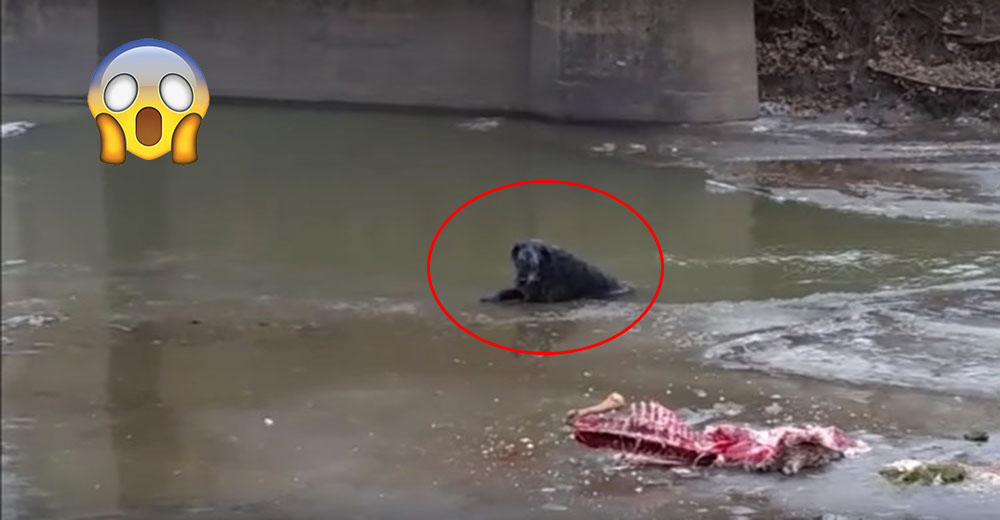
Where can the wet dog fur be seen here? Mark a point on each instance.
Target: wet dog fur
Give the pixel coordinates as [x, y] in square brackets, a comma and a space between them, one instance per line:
[548, 274]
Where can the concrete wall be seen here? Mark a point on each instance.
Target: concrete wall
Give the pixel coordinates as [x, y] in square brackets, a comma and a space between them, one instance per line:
[49, 46]
[646, 60]
[450, 53]
[659, 60]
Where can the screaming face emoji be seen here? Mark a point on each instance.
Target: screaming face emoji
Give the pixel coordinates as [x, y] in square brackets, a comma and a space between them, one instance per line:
[148, 97]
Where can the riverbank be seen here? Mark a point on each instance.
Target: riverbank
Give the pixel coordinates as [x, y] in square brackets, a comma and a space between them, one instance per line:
[882, 62]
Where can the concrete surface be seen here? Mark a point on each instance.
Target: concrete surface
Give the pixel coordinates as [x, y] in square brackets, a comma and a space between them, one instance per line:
[643, 60]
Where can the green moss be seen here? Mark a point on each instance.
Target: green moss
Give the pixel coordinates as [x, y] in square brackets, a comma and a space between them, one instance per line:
[976, 436]
[925, 474]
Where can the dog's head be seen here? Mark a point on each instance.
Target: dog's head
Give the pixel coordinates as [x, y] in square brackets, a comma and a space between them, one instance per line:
[530, 258]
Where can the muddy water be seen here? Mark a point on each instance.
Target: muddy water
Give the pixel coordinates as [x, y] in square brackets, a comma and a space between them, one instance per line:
[252, 336]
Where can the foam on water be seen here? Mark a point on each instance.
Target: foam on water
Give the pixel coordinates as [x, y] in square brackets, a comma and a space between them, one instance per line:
[939, 338]
[15, 128]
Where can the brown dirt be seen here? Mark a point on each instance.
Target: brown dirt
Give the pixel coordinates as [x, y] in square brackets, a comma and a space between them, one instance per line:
[880, 60]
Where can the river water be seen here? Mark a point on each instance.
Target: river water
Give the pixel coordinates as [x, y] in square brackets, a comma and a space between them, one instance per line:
[253, 335]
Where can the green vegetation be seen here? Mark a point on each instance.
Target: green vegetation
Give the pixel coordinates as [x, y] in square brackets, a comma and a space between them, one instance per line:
[976, 436]
[925, 473]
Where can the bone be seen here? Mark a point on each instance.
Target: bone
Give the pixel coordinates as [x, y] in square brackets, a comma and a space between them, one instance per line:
[613, 401]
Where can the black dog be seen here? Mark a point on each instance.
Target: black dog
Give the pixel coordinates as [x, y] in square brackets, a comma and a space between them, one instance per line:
[546, 273]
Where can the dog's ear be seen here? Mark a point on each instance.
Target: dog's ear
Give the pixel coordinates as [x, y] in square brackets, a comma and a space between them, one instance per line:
[516, 249]
[546, 254]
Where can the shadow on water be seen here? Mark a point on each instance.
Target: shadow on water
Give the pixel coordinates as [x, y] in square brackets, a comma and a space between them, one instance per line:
[143, 429]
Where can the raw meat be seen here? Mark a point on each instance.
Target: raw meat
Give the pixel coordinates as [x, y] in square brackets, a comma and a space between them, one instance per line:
[650, 433]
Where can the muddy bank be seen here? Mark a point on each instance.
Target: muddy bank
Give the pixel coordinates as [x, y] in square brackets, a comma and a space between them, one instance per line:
[882, 62]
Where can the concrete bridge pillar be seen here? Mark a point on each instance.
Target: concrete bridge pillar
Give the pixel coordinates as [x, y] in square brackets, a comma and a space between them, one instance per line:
[613, 60]
[647, 60]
